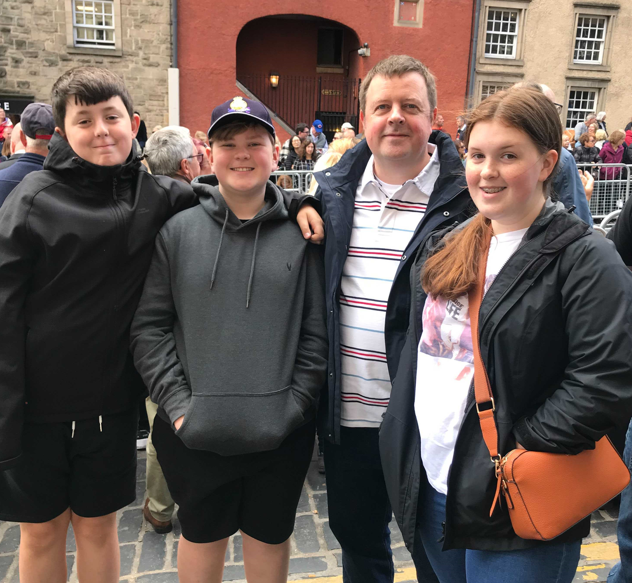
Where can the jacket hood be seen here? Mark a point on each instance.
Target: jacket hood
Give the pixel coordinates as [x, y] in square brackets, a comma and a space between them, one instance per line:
[62, 158]
[207, 189]
[213, 203]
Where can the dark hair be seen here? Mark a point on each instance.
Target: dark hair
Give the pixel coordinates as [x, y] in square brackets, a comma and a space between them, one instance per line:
[300, 153]
[397, 66]
[453, 270]
[301, 127]
[585, 137]
[88, 86]
[291, 146]
[233, 128]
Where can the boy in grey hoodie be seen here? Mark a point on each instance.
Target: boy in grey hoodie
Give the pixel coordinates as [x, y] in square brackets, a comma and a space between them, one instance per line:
[230, 339]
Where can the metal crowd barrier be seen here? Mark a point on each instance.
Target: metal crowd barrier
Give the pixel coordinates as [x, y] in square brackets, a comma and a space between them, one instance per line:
[294, 180]
[612, 188]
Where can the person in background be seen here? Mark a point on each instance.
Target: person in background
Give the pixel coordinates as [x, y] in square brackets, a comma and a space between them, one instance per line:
[5, 152]
[586, 153]
[571, 139]
[318, 137]
[601, 121]
[461, 127]
[306, 157]
[5, 123]
[171, 152]
[156, 128]
[327, 160]
[460, 148]
[612, 153]
[438, 122]
[36, 129]
[582, 126]
[290, 158]
[205, 162]
[600, 139]
[337, 136]
[566, 142]
[141, 136]
[348, 131]
[302, 131]
[18, 145]
[200, 135]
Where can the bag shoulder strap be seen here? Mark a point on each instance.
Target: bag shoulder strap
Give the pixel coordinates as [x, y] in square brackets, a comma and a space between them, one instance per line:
[485, 406]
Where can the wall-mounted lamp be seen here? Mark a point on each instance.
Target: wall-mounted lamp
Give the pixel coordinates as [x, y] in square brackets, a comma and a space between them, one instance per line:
[274, 80]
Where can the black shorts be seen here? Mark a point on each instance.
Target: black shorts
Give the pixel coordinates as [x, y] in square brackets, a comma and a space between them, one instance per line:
[256, 493]
[92, 473]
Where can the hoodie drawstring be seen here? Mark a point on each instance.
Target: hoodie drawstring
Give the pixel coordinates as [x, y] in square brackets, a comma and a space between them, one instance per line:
[74, 426]
[252, 266]
[221, 237]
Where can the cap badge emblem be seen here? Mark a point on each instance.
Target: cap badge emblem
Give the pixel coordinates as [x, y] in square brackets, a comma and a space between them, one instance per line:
[239, 105]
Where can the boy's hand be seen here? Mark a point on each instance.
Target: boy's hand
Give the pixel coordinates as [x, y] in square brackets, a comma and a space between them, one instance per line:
[178, 422]
[311, 224]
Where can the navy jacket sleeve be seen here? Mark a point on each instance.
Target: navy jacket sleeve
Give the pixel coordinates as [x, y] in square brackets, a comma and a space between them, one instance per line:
[569, 188]
[17, 256]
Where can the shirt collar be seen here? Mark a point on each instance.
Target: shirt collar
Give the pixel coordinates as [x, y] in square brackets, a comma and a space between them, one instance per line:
[424, 181]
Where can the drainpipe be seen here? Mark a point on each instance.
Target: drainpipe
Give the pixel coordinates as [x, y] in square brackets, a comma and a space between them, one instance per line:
[473, 55]
[173, 79]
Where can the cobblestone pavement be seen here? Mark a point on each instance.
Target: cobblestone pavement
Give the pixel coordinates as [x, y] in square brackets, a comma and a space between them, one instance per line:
[147, 557]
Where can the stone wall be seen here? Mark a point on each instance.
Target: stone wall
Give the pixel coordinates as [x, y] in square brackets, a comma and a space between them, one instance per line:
[34, 51]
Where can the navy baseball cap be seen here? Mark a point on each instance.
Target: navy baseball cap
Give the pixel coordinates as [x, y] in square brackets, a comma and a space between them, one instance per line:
[239, 107]
[37, 121]
[318, 125]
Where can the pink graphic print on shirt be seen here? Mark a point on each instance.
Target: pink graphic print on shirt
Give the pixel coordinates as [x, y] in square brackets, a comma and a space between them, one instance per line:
[446, 328]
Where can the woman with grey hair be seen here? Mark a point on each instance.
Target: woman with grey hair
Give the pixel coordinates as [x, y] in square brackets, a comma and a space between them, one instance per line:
[601, 121]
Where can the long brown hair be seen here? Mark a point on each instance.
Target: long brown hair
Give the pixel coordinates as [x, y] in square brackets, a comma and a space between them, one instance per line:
[453, 270]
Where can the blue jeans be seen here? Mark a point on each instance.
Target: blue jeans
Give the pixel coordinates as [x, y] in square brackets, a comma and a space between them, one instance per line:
[550, 563]
[359, 510]
[622, 571]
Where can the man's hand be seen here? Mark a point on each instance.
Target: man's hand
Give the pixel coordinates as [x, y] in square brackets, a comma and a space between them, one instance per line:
[178, 422]
[311, 224]
[588, 181]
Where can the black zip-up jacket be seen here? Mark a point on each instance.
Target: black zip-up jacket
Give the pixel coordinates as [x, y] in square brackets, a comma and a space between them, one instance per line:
[556, 337]
[76, 241]
[449, 202]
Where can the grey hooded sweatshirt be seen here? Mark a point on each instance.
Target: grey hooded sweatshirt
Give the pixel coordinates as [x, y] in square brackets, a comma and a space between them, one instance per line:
[230, 330]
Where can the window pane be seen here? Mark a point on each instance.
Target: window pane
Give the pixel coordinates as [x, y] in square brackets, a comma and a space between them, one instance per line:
[408, 11]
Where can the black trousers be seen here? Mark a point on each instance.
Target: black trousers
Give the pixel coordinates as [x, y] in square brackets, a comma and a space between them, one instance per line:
[359, 509]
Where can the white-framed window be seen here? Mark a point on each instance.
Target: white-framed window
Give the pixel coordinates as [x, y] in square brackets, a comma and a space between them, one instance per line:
[590, 39]
[501, 33]
[93, 23]
[580, 103]
[488, 89]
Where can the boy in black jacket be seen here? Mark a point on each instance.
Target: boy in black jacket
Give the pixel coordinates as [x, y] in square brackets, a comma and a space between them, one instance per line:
[230, 338]
[76, 240]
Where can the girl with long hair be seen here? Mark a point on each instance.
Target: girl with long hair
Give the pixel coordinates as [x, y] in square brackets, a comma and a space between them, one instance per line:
[306, 156]
[555, 334]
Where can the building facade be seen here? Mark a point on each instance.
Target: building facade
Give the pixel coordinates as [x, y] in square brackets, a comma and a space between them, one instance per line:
[305, 60]
[43, 38]
[578, 48]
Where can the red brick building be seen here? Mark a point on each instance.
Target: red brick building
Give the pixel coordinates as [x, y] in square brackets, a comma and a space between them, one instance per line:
[311, 48]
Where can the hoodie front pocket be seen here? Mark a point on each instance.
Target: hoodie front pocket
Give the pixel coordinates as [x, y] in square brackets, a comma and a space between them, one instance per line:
[239, 423]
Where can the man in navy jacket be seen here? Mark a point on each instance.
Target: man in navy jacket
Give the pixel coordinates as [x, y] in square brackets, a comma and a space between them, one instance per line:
[38, 127]
[379, 203]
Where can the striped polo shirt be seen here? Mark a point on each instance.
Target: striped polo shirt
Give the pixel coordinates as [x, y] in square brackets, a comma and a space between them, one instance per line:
[384, 220]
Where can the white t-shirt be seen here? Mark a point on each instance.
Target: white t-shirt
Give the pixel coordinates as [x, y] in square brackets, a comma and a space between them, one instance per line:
[445, 368]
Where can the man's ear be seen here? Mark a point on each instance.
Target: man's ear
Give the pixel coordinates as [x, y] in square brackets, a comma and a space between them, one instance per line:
[184, 167]
[22, 137]
[135, 124]
[434, 115]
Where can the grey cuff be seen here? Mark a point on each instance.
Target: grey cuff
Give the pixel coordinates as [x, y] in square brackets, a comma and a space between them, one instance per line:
[177, 404]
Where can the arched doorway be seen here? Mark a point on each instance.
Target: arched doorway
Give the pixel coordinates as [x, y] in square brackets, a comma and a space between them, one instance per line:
[302, 68]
